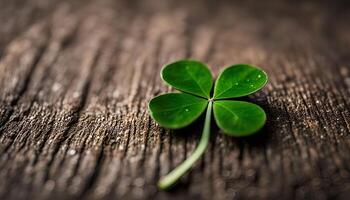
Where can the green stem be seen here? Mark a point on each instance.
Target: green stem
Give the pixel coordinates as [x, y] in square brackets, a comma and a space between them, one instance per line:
[168, 180]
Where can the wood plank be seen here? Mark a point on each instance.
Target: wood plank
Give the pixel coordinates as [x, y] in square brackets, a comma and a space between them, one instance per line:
[76, 77]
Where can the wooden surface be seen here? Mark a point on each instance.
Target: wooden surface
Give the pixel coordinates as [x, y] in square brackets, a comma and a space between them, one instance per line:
[76, 76]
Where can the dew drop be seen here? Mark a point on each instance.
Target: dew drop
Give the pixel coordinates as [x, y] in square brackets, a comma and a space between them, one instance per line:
[236, 83]
[71, 152]
[259, 76]
[251, 85]
[187, 110]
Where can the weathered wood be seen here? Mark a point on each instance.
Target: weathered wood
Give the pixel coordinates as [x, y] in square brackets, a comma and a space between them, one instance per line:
[75, 79]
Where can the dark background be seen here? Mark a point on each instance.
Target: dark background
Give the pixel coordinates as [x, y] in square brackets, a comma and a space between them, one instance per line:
[76, 77]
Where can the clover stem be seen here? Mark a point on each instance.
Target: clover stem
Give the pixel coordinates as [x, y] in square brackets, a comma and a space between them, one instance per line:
[171, 178]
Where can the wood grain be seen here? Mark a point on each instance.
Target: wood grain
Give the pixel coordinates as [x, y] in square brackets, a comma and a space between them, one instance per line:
[76, 77]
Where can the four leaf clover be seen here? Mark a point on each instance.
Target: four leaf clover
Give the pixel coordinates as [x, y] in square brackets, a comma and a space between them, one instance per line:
[194, 80]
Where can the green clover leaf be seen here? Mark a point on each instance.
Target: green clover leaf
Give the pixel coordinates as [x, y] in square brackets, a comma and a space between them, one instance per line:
[176, 110]
[189, 76]
[235, 118]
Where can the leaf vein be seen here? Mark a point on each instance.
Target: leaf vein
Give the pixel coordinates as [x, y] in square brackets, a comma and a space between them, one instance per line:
[198, 85]
[177, 108]
[229, 110]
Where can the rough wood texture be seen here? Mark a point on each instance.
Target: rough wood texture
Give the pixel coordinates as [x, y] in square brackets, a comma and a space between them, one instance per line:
[76, 76]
